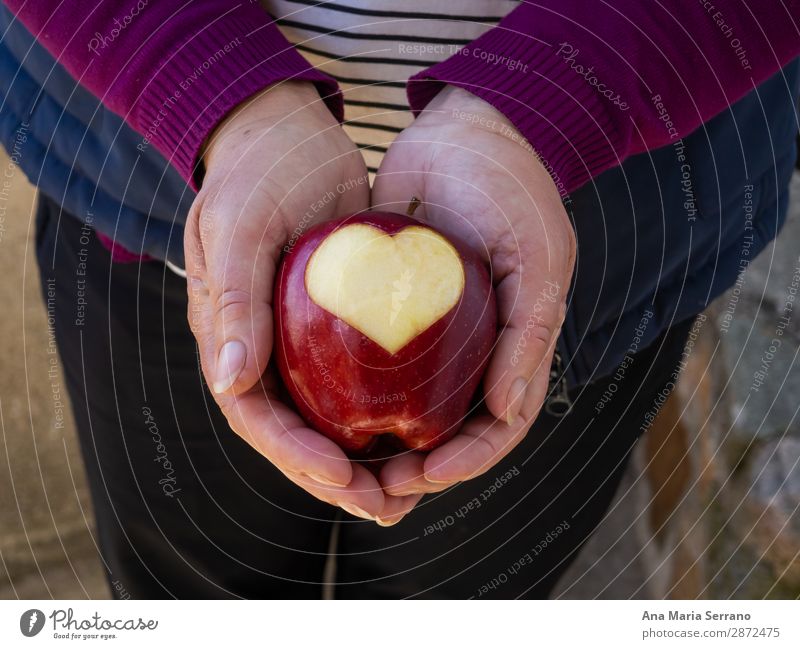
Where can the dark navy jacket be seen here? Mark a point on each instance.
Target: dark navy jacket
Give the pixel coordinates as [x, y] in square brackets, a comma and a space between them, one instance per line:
[658, 238]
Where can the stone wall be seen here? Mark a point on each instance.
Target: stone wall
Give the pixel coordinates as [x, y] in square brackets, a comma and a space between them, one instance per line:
[711, 504]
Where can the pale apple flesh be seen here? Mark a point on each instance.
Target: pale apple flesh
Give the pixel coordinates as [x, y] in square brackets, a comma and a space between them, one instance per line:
[389, 287]
[383, 326]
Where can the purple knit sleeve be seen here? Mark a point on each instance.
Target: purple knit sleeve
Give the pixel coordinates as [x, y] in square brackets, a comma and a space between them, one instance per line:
[590, 83]
[172, 68]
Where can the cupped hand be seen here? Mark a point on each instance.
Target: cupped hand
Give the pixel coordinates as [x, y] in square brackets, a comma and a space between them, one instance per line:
[277, 165]
[479, 179]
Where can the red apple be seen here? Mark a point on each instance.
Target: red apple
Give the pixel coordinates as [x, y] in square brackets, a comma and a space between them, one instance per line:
[383, 326]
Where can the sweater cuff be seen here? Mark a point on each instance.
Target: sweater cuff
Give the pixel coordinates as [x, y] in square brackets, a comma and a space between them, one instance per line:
[209, 75]
[572, 127]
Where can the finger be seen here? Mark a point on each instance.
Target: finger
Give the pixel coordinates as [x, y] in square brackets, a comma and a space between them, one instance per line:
[395, 509]
[240, 278]
[280, 435]
[404, 475]
[484, 441]
[362, 497]
[531, 310]
[198, 307]
[536, 393]
[230, 261]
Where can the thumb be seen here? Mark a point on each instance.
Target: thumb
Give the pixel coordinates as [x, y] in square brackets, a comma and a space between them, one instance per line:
[531, 308]
[232, 251]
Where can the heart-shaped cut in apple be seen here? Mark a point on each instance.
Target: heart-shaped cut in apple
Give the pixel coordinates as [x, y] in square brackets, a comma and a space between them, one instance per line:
[391, 288]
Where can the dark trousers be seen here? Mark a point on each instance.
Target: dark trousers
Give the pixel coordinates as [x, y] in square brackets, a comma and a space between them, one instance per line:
[186, 509]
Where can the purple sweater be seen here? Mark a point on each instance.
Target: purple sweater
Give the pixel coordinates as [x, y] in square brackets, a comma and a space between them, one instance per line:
[588, 82]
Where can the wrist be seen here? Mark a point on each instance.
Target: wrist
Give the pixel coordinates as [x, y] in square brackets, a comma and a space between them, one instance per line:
[461, 108]
[453, 97]
[287, 100]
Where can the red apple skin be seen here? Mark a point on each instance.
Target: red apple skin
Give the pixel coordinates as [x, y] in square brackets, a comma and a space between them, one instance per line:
[349, 388]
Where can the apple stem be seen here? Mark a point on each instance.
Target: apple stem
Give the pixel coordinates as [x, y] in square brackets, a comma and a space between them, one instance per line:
[413, 204]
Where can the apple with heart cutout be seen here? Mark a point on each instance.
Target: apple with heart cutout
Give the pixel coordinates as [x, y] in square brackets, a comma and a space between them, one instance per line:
[383, 326]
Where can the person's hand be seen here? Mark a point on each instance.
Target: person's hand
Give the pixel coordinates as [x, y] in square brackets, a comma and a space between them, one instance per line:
[478, 178]
[278, 165]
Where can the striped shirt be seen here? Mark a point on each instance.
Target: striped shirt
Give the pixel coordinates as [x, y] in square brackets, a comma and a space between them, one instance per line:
[372, 47]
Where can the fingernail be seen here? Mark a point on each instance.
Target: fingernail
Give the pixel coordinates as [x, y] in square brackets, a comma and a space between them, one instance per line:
[534, 397]
[230, 364]
[323, 480]
[399, 494]
[356, 511]
[434, 481]
[387, 522]
[514, 402]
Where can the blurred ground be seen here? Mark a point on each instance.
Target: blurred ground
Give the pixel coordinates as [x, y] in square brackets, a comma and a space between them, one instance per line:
[46, 544]
[709, 507]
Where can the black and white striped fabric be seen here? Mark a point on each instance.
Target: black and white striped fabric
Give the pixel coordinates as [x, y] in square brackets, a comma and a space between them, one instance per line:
[372, 47]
